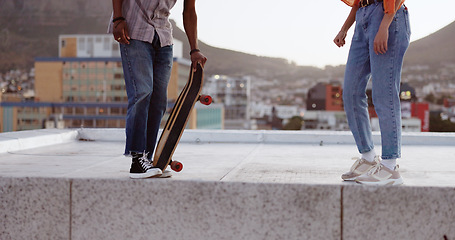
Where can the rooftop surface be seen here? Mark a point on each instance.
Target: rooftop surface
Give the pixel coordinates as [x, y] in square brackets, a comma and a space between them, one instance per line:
[300, 157]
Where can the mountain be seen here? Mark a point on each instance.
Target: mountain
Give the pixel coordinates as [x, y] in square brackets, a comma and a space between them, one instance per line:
[229, 62]
[30, 29]
[434, 50]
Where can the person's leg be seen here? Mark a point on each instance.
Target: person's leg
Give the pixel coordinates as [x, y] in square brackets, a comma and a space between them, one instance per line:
[162, 67]
[137, 64]
[386, 72]
[355, 99]
[137, 61]
[386, 78]
[356, 77]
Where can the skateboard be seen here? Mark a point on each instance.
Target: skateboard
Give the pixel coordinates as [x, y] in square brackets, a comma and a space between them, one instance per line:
[178, 119]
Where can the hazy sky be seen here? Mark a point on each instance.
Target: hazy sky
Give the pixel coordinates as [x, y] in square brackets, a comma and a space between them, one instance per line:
[298, 30]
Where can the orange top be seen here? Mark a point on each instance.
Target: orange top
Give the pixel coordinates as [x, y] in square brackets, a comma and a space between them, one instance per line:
[389, 5]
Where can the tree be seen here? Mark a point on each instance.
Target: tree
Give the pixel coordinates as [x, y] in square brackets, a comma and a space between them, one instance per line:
[430, 98]
[295, 123]
[439, 125]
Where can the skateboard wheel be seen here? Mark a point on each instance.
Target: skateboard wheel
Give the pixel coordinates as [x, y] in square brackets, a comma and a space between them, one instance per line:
[205, 99]
[176, 166]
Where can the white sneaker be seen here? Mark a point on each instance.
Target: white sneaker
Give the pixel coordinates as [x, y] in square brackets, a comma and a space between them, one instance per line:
[361, 166]
[381, 175]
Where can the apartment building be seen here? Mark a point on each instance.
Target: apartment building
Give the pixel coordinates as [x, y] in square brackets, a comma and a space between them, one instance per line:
[84, 87]
[234, 94]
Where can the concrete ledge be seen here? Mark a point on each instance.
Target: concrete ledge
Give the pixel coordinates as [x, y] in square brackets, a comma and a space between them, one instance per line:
[102, 134]
[126, 209]
[269, 136]
[34, 208]
[223, 206]
[307, 137]
[14, 141]
[398, 212]
[45, 208]
[37, 208]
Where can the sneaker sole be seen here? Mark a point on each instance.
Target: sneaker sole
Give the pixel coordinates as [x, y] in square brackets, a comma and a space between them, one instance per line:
[352, 178]
[349, 179]
[142, 176]
[166, 174]
[151, 174]
[391, 182]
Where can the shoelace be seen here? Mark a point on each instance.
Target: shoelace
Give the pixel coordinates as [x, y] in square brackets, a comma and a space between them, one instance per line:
[356, 164]
[145, 162]
[375, 169]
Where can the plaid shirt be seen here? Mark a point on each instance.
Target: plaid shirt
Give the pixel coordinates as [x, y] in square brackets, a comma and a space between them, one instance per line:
[144, 17]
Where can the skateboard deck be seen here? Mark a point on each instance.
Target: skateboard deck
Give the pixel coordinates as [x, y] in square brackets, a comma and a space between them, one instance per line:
[178, 119]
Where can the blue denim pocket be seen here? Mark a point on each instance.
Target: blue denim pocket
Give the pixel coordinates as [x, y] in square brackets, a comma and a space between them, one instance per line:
[406, 19]
[401, 22]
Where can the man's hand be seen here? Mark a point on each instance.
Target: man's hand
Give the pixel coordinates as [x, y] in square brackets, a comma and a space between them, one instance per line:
[120, 32]
[198, 57]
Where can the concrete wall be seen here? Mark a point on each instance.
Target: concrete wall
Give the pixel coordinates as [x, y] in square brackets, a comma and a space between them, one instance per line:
[268, 136]
[37, 138]
[37, 208]
[398, 213]
[21, 140]
[34, 208]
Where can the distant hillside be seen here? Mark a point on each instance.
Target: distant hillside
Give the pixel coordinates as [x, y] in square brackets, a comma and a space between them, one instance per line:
[223, 61]
[30, 29]
[434, 49]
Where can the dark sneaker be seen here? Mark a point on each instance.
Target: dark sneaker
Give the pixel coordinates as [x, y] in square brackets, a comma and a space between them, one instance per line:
[141, 167]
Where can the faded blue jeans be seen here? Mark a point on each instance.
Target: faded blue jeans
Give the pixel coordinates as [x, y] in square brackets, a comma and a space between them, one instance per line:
[385, 73]
[147, 69]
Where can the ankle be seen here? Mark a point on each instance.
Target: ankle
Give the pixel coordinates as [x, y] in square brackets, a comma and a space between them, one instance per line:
[389, 163]
[369, 156]
[139, 155]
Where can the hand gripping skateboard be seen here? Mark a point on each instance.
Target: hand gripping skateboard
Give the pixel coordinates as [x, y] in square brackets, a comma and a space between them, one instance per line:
[178, 119]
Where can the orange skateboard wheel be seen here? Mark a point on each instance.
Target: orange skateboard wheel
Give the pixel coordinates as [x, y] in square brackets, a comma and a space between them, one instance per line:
[205, 99]
[176, 166]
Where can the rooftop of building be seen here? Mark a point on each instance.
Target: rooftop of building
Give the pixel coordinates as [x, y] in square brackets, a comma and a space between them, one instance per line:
[301, 157]
[74, 184]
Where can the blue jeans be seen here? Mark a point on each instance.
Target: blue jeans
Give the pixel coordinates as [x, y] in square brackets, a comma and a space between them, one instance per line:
[385, 73]
[147, 69]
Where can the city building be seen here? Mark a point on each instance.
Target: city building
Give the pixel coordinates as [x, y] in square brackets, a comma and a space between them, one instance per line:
[234, 93]
[325, 120]
[325, 109]
[415, 116]
[326, 97]
[449, 110]
[84, 87]
[97, 45]
[268, 116]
